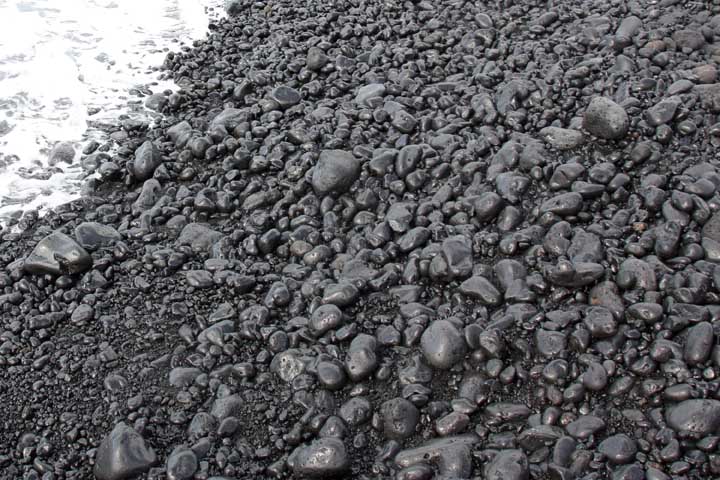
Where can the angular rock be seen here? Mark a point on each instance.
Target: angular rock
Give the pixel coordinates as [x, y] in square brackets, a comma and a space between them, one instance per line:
[123, 455]
[508, 465]
[200, 237]
[335, 172]
[93, 235]
[57, 254]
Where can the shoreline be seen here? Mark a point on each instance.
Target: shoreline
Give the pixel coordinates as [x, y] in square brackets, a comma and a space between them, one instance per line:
[391, 239]
[101, 72]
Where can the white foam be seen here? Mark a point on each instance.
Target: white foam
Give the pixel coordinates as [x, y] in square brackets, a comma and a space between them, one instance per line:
[60, 57]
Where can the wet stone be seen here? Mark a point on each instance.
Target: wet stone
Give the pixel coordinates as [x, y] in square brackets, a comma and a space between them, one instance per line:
[443, 345]
[619, 449]
[600, 322]
[325, 457]
[181, 464]
[147, 159]
[356, 411]
[585, 426]
[57, 254]
[452, 455]
[699, 343]
[698, 417]
[92, 235]
[550, 344]
[480, 288]
[508, 465]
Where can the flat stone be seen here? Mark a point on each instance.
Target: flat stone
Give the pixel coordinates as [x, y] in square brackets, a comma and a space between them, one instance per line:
[199, 237]
[93, 235]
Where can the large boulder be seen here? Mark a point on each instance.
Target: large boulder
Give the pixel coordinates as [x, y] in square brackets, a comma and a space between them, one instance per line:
[123, 455]
[606, 119]
[57, 254]
[698, 417]
[335, 172]
[147, 159]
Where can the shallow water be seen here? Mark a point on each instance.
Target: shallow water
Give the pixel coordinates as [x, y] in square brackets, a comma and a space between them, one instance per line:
[67, 63]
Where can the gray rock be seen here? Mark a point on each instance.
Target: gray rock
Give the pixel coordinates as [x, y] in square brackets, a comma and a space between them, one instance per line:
[699, 343]
[183, 376]
[443, 345]
[600, 322]
[288, 364]
[325, 457]
[550, 343]
[663, 112]
[316, 59]
[63, 152]
[619, 449]
[229, 406]
[325, 318]
[180, 133]
[699, 417]
[400, 417]
[508, 465]
[563, 204]
[199, 278]
[374, 90]
[181, 464]
[361, 360]
[200, 237]
[356, 411]
[228, 119]
[149, 195]
[147, 159]
[585, 426]
[57, 254]
[451, 455]
[414, 238]
[711, 229]
[457, 252]
[123, 455]
[562, 138]
[93, 235]
[606, 119]
[709, 96]
[403, 121]
[286, 96]
[335, 172]
[480, 288]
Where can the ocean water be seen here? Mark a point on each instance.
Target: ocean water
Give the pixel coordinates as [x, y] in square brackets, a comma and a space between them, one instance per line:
[66, 65]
